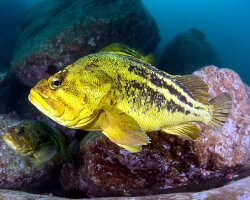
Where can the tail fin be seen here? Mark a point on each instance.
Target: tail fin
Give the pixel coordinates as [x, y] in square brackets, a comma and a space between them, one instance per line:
[221, 108]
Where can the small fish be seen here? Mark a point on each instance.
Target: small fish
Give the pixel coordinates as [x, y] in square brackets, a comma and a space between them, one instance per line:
[36, 140]
[117, 91]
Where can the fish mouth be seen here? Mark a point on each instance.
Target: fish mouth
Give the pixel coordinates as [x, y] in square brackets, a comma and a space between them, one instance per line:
[46, 105]
[15, 145]
[11, 143]
[51, 108]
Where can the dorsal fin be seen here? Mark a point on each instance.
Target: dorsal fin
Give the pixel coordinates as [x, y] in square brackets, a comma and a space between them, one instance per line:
[122, 49]
[197, 87]
[126, 50]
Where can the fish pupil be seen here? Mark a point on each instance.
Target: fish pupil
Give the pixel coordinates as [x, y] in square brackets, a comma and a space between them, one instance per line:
[55, 83]
[20, 132]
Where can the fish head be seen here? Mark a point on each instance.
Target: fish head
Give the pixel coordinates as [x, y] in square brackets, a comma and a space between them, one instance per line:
[70, 97]
[18, 138]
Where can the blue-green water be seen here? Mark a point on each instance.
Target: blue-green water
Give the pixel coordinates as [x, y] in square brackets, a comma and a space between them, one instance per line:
[226, 24]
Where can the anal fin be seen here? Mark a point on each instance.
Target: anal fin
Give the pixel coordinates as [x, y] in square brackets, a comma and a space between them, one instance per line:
[186, 131]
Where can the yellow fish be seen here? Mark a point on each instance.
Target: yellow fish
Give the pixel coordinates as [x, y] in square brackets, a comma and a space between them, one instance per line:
[36, 141]
[118, 92]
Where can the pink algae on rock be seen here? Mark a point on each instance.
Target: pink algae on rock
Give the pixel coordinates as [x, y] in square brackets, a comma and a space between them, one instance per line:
[229, 146]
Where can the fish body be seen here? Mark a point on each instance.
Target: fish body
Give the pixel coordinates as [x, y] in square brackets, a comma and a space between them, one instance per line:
[124, 96]
[35, 140]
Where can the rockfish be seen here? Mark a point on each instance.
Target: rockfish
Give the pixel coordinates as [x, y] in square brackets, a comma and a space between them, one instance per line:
[37, 141]
[118, 92]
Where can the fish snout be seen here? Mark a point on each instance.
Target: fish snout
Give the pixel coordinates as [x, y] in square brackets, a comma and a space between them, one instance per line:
[42, 88]
[11, 141]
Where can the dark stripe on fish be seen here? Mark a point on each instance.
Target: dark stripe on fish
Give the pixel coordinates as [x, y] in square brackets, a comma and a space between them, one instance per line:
[187, 112]
[173, 107]
[142, 72]
[198, 108]
[157, 71]
[137, 91]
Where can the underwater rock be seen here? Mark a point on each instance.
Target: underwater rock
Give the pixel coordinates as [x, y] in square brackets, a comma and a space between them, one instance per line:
[17, 171]
[168, 163]
[231, 145]
[236, 190]
[188, 52]
[56, 34]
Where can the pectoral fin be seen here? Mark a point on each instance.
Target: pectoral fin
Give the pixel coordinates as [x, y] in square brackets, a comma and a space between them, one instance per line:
[122, 129]
[132, 149]
[46, 153]
[187, 131]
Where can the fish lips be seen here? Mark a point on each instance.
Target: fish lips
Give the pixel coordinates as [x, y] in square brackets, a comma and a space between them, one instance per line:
[46, 105]
[11, 142]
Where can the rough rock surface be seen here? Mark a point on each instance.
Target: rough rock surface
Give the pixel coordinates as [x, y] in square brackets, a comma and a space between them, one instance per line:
[235, 190]
[17, 171]
[188, 52]
[57, 33]
[168, 163]
[231, 145]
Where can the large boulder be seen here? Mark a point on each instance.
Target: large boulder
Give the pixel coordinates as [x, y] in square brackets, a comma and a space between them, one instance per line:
[231, 145]
[168, 163]
[56, 33]
[188, 52]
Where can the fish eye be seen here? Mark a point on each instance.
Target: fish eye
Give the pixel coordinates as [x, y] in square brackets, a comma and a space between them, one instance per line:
[55, 83]
[20, 132]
